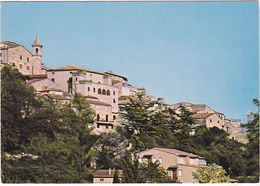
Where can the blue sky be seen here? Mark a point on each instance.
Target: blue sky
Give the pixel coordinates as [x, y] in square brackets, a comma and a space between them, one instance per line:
[199, 52]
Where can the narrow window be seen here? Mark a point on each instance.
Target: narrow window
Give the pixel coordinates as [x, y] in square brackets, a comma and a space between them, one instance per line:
[108, 92]
[37, 51]
[106, 126]
[99, 91]
[76, 79]
[88, 88]
[114, 101]
[21, 57]
[218, 121]
[28, 68]
[53, 80]
[20, 66]
[179, 172]
[114, 93]
[98, 117]
[97, 125]
[112, 126]
[99, 82]
[94, 90]
[210, 120]
[104, 92]
[114, 117]
[106, 117]
[27, 59]
[101, 179]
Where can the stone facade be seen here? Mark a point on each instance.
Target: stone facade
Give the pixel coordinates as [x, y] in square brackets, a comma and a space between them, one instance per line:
[25, 61]
[178, 164]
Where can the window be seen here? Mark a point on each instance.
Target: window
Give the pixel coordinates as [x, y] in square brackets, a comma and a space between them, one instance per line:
[98, 117]
[114, 93]
[53, 72]
[218, 121]
[108, 92]
[99, 82]
[53, 79]
[112, 126]
[101, 179]
[106, 117]
[90, 74]
[28, 68]
[97, 125]
[160, 160]
[94, 90]
[179, 172]
[76, 79]
[99, 91]
[27, 59]
[88, 88]
[21, 57]
[106, 126]
[36, 51]
[114, 101]
[104, 92]
[114, 117]
[181, 160]
[20, 66]
[233, 138]
[210, 120]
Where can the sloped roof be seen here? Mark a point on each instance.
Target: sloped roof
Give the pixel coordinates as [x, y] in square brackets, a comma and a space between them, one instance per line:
[68, 68]
[202, 115]
[104, 173]
[51, 89]
[37, 42]
[110, 73]
[98, 102]
[10, 44]
[177, 152]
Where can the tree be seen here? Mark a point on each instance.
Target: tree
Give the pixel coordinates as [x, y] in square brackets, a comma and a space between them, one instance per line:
[24, 114]
[136, 172]
[211, 174]
[252, 147]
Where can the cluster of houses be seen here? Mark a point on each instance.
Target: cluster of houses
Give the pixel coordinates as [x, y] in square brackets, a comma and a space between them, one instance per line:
[108, 93]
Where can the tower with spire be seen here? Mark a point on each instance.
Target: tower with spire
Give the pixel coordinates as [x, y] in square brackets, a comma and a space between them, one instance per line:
[37, 56]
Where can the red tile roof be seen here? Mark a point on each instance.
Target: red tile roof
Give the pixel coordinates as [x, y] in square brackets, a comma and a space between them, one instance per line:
[68, 68]
[177, 152]
[98, 102]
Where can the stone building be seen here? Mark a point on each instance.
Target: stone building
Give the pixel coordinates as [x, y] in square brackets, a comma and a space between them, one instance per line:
[26, 62]
[178, 164]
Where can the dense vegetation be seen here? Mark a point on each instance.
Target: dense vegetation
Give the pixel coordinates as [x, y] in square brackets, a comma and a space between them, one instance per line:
[45, 141]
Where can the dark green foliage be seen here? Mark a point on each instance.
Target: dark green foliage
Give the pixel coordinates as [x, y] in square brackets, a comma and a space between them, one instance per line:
[116, 178]
[136, 172]
[252, 147]
[59, 134]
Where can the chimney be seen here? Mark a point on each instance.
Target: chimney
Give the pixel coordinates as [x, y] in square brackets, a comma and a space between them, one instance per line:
[109, 171]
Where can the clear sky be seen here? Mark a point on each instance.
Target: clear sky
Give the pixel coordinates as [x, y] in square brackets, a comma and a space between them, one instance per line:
[198, 52]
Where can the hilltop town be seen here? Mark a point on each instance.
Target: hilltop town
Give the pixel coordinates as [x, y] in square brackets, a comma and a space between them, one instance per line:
[108, 95]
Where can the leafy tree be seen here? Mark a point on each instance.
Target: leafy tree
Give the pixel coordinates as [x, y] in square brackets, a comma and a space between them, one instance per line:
[211, 174]
[24, 114]
[252, 147]
[135, 172]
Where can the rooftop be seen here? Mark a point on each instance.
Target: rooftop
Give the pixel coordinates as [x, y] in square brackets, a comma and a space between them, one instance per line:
[104, 173]
[69, 68]
[177, 152]
[202, 115]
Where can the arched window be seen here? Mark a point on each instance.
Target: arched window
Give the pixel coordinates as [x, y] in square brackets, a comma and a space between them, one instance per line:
[36, 51]
[104, 92]
[108, 92]
[99, 91]
[20, 66]
[28, 68]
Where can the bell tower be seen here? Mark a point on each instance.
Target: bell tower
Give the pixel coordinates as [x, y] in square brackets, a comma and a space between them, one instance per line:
[37, 57]
[37, 47]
